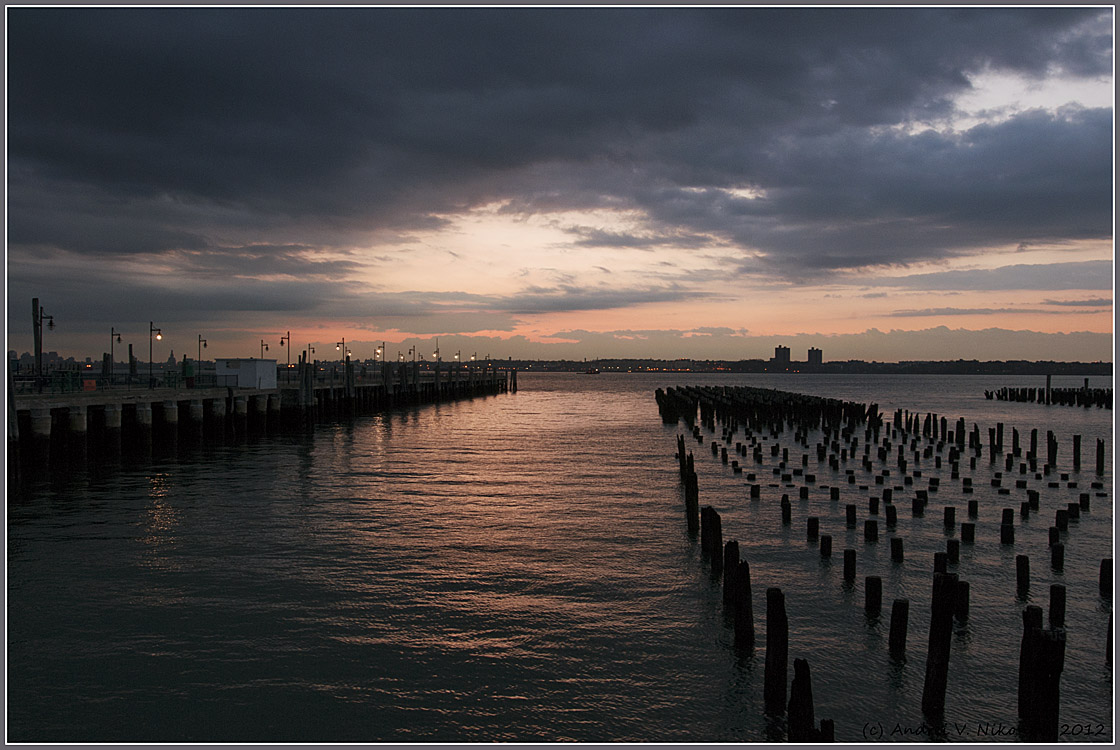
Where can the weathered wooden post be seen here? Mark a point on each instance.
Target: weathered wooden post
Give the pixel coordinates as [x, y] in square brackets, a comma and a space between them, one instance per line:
[812, 528]
[849, 565]
[800, 720]
[730, 570]
[1057, 556]
[777, 651]
[1022, 574]
[873, 594]
[896, 549]
[1104, 581]
[940, 638]
[826, 545]
[744, 606]
[900, 615]
[1057, 605]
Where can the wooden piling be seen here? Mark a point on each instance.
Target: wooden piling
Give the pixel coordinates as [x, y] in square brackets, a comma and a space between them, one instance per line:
[1057, 556]
[777, 651]
[940, 638]
[849, 565]
[826, 545]
[900, 615]
[744, 606]
[873, 594]
[940, 562]
[730, 570]
[801, 724]
[1104, 581]
[812, 528]
[896, 549]
[953, 550]
[870, 531]
[1022, 574]
[1057, 605]
[968, 533]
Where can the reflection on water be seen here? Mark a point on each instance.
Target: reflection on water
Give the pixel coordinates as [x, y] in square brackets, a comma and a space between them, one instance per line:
[510, 568]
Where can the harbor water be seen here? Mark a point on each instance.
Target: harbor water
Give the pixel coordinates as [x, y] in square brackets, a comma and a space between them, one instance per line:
[518, 568]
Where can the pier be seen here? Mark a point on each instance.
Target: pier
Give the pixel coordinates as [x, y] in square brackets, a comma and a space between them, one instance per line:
[50, 420]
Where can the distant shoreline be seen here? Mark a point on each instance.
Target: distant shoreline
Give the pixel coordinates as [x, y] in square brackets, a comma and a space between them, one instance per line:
[852, 367]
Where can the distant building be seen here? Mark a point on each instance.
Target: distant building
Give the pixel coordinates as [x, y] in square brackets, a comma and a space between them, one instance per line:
[816, 356]
[781, 356]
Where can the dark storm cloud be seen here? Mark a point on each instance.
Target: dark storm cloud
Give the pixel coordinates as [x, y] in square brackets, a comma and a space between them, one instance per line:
[305, 125]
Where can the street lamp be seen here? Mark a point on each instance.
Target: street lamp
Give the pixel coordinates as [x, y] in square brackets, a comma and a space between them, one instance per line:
[289, 340]
[264, 348]
[201, 346]
[37, 318]
[159, 337]
[341, 346]
[113, 336]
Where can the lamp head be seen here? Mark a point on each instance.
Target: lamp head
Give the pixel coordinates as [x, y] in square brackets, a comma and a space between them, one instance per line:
[159, 336]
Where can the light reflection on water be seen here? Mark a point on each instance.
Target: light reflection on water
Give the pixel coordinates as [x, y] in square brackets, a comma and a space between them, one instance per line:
[512, 568]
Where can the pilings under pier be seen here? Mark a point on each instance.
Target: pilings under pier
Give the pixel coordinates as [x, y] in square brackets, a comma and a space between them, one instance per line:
[45, 427]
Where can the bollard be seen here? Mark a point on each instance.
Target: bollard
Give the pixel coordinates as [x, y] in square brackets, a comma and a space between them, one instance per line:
[900, 614]
[873, 594]
[777, 651]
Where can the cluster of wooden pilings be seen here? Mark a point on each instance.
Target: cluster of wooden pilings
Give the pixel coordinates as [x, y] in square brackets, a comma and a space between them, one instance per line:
[67, 428]
[905, 444]
[725, 563]
[1086, 397]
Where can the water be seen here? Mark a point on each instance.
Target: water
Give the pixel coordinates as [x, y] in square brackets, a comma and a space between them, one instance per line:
[515, 568]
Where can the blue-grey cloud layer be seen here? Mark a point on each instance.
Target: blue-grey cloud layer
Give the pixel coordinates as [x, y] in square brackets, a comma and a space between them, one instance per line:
[207, 130]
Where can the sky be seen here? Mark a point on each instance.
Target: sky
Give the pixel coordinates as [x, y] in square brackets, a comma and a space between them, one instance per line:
[564, 183]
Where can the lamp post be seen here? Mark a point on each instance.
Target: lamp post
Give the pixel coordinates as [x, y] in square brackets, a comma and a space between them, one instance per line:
[159, 336]
[113, 336]
[458, 362]
[288, 338]
[198, 362]
[37, 318]
[341, 346]
[264, 348]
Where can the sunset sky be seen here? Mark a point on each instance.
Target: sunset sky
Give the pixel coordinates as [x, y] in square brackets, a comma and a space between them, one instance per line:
[890, 184]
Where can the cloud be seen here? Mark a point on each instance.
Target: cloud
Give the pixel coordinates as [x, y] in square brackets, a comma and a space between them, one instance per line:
[1096, 302]
[940, 311]
[1091, 274]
